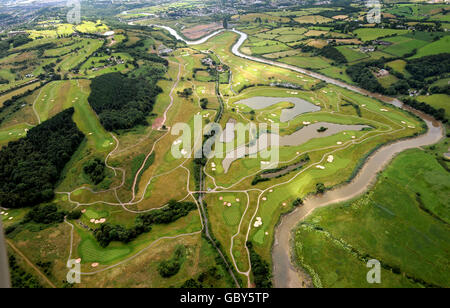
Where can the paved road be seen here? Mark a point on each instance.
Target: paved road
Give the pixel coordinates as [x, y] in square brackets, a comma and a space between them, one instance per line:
[4, 269]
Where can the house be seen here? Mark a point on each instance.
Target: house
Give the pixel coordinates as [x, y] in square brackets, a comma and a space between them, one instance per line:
[367, 49]
[383, 43]
[382, 72]
[15, 33]
[163, 50]
[207, 61]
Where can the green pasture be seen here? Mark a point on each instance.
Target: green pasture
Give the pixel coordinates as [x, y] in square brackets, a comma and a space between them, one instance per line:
[388, 223]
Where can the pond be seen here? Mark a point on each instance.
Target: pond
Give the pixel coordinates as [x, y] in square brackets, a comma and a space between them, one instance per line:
[300, 105]
[297, 138]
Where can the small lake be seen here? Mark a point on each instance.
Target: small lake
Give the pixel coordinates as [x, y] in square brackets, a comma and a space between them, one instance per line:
[300, 105]
[297, 138]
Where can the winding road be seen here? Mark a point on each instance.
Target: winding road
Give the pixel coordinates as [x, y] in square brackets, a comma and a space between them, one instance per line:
[285, 273]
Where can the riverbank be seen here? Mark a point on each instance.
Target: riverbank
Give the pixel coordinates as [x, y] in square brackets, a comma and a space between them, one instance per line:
[285, 273]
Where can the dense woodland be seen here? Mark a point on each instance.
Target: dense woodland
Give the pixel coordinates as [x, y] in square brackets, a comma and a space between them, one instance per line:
[20, 278]
[31, 166]
[122, 102]
[95, 170]
[424, 67]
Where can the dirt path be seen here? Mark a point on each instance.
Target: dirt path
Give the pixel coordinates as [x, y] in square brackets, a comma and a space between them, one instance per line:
[38, 271]
[285, 273]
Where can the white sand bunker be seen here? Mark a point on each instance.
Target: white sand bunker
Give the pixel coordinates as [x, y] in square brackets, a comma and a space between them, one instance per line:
[330, 158]
[95, 264]
[320, 167]
[258, 223]
[339, 142]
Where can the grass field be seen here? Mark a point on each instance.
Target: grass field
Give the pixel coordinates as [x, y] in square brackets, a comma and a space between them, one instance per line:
[434, 48]
[370, 34]
[389, 223]
[402, 47]
[351, 54]
[126, 150]
[438, 101]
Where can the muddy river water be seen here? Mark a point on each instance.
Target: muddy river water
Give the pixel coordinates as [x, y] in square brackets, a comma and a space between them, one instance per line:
[285, 273]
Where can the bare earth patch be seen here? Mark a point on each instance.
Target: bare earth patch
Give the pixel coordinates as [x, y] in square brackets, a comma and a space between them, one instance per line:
[201, 30]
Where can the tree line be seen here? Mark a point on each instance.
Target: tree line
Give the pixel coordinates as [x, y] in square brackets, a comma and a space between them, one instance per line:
[108, 233]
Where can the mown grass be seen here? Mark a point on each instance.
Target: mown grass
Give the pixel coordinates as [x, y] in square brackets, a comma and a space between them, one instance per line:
[391, 223]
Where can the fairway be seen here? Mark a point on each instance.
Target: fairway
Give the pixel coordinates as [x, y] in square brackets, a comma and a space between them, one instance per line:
[201, 144]
[387, 223]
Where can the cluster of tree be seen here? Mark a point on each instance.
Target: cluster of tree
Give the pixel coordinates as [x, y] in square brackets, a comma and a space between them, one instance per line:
[427, 66]
[172, 212]
[438, 114]
[328, 51]
[45, 214]
[322, 129]
[332, 53]
[355, 106]
[31, 166]
[108, 233]
[204, 103]
[260, 268]
[320, 188]
[20, 40]
[297, 202]
[95, 170]
[445, 89]
[20, 278]
[185, 93]
[122, 102]
[319, 85]
[361, 73]
[46, 267]
[204, 280]
[171, 267]
[3, 81]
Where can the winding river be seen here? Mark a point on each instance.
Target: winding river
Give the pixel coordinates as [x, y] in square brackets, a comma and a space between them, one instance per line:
[285, 274]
